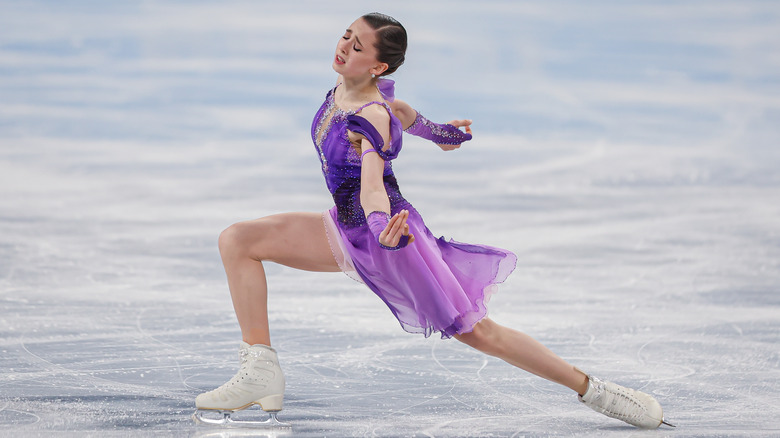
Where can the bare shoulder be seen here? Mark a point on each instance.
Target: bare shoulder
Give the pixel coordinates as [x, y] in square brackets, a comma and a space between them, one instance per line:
[404, 112]
[400, 107]
[376, 114]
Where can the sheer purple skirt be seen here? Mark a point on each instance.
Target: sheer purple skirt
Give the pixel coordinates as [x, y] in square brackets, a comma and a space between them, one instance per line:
[432, 285]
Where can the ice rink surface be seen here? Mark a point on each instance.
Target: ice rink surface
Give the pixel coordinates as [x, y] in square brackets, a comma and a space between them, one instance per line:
[627, 152]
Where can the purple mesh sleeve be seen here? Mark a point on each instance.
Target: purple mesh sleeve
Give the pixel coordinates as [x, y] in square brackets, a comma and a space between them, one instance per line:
[437, 133]
[377, 222]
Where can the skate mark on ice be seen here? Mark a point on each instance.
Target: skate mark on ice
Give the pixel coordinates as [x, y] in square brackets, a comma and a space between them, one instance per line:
[52, 368]
[358, 367]
[4, 420]
[381, 355]
[484, 362]
[207, 385]
[452, 374]
[592, 341]
[421, 403]
[316, 372]
[475, 358]
[687, 371]
[643, 363]
[59, 369]
[479, 378]
[479, 383]
[351, 396]
[438, 362]
[439, 429]
[145, 334]
[511, 396]
[88, 376]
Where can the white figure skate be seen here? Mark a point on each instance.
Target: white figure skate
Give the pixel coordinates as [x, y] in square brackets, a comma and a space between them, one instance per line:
[259, 381]
[634, 407]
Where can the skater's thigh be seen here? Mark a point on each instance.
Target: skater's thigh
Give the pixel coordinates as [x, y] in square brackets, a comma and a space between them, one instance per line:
[297, 240]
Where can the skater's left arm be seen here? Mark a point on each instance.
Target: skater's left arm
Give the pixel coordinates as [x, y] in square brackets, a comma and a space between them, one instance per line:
[373, 196]
[447, 136]
[404, 112]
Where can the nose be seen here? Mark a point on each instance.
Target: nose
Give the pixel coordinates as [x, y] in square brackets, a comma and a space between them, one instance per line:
[343, 45]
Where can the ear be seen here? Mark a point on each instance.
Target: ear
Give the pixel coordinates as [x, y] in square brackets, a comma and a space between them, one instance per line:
[379, 69]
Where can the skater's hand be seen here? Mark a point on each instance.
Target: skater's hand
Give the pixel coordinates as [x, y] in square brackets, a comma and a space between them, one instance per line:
[396, 228]
[465, 123]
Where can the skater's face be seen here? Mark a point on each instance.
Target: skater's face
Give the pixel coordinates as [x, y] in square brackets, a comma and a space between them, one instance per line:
[356, 52]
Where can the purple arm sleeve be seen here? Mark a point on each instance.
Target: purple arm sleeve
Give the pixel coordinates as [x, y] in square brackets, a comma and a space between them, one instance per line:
[377, 222]
[437, 133]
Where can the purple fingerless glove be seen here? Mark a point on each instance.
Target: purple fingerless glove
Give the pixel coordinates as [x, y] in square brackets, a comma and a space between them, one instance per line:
[377, 222]
[437, 133]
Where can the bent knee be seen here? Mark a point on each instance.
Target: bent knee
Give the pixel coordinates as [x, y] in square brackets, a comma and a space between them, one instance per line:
[245, 238]
[230, 238]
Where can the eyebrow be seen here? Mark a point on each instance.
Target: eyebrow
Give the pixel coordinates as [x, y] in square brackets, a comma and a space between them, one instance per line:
[349, 31]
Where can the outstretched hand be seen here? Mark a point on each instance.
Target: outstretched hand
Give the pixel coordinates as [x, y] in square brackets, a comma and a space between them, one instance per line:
[396, 228]
[464, 123]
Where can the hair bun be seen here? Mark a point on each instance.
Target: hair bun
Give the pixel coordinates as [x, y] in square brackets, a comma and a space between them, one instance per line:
[391, 40]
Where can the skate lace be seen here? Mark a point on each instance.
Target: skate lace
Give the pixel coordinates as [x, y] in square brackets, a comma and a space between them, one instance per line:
[230, 384]
[621, 404]
[247, 353]
[244, 356]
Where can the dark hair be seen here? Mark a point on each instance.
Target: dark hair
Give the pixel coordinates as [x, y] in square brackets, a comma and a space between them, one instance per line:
[391, 40]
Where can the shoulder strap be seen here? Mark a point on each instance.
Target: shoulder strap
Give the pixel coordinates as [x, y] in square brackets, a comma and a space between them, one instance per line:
[376, 102]
[363, 127]
[360, 125]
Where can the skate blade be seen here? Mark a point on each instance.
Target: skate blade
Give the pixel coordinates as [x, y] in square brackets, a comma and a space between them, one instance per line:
[667, 423]
[226, 421]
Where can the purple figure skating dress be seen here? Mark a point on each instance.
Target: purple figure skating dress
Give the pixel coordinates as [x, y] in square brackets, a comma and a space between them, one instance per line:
[432, 285]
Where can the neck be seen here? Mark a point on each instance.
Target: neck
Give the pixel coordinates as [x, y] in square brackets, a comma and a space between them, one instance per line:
[359, 89]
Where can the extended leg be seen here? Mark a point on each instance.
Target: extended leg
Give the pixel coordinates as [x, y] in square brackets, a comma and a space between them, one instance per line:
[625, 404]
[524, 352]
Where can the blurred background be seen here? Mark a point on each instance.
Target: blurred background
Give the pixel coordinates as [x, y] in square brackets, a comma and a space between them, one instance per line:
[626, 151]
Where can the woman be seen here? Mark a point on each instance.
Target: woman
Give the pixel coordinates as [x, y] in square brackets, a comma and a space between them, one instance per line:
[374, 235]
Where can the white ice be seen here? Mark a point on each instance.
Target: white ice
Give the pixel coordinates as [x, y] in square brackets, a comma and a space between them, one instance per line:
[626, 151]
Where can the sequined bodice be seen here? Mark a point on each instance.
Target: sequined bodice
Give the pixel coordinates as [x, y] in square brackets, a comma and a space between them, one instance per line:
[341, 164]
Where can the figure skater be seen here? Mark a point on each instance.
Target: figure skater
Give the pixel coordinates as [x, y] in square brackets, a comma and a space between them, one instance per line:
[376, 236]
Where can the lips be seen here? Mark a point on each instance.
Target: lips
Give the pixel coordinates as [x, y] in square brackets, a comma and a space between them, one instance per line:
[339, 60]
